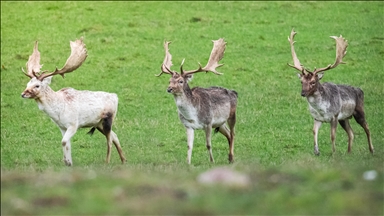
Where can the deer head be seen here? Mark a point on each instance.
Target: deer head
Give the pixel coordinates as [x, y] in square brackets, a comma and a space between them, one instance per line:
[179, 81]
[40, 80]
[310, 79]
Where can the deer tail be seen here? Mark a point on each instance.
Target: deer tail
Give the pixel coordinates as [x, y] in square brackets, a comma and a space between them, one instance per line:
[91, 131]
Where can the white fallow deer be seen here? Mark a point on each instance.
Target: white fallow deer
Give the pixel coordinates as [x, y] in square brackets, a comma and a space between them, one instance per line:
[203, 108]
[72, 109]
[330, 102]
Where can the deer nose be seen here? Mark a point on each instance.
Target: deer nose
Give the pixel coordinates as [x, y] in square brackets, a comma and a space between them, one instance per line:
[302, 94]
[169, 90]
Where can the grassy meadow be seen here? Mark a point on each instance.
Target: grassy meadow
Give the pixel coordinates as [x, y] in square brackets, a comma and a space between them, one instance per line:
[274, 140]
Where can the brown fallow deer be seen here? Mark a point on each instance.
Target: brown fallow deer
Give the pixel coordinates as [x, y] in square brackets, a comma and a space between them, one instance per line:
[72, 109]
[203, 108]
[330, 102]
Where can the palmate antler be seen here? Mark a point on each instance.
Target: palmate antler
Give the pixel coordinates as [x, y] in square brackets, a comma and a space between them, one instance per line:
[167, 63]
[341, 47]
[33, 64]
[77, 57]
[217, 54]
[296, 62]
[341, 51]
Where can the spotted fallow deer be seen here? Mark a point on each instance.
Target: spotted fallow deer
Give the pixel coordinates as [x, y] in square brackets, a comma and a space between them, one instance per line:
[330, 102]
[203, 108]
[72, 109]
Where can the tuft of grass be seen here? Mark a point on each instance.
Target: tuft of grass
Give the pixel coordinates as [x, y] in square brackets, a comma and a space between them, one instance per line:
[274, 141]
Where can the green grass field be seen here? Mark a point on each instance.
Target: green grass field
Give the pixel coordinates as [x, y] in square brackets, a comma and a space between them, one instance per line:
[274, 141]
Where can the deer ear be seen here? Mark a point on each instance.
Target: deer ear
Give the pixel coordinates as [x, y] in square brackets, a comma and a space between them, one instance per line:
[47, 80]
[189, 77]
[299, 75]
[320, 75]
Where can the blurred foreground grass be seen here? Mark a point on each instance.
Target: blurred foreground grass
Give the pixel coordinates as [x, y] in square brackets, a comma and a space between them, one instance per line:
[299, 187]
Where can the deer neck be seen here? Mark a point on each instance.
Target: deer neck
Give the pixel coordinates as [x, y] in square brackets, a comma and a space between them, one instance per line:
[49, 102]
[324, 103]
[184, 97]
[184, 103]
[317, 96]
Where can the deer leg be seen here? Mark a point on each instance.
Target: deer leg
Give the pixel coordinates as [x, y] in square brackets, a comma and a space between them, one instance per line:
[190, 136]
[105, 128]
[109, 146]
[347, 127]
[225, 131]
[333, 132]
[66, 143]
[360, 118]
[316, 128]
[109, 142]
[208, 131]
[116, 142]
[231, 124]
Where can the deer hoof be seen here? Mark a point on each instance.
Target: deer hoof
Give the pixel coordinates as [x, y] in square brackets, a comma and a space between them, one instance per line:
[67, 162]
[230, 158]
[372, 151]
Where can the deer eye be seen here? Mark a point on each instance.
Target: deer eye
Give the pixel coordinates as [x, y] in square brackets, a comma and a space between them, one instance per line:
[181, 81]
[37, 86]
[312, 83]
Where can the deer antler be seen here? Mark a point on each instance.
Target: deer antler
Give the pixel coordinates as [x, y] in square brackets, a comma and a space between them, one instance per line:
[33, 64]
[167, 63]
[77, 57]
[217, 54]
[296, 62]
[341, 51]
